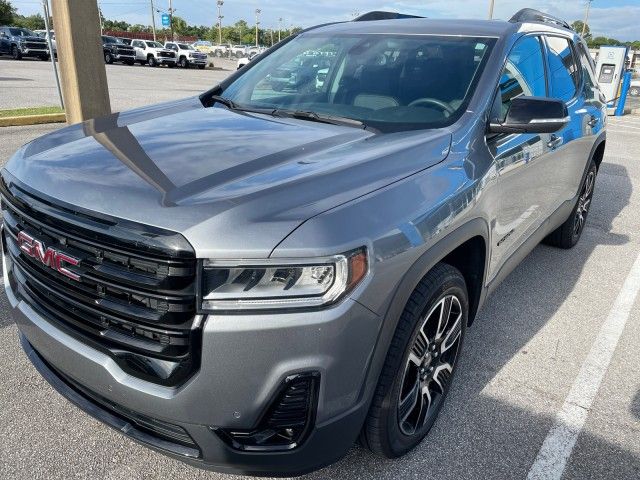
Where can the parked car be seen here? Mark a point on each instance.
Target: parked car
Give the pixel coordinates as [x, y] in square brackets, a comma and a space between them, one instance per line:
[21, 42]
[203, 46]
[250, 280]
[246, 60]
[153, 53]
[44, 34]
[238, 51]
[115, 50]
[187, 55]
[634, 88]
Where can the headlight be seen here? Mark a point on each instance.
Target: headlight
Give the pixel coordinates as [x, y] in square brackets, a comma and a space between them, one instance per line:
[280, 283]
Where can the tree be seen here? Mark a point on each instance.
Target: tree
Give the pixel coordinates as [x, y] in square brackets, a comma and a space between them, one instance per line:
[32, 22]
[180, 26]
[597, 42]
[578, 25]
[7, 11]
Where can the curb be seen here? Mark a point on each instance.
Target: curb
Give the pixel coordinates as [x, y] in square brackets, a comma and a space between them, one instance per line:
[33, 119]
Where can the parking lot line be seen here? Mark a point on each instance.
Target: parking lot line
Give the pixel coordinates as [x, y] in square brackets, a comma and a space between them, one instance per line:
[558, 445]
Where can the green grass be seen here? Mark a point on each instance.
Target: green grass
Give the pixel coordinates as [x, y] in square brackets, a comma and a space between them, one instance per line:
[23, 112]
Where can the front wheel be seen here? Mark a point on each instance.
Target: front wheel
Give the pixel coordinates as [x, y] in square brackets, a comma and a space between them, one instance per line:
[108, 59]
[184, 63]
[15, 53]
[568, 234]
[420, 364]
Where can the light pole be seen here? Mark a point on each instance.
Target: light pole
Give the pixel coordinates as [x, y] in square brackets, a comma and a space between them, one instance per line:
[258, 12]
[491, 5]
[171, 18]
[153, 22]
[220, 17]
[586, 18]
[45, 4]
[279, 28]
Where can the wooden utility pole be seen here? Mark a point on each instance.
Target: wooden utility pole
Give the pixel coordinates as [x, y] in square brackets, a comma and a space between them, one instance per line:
[153, 21]
[586, 19]
[171, 19]
[84, 77]
[491, 5]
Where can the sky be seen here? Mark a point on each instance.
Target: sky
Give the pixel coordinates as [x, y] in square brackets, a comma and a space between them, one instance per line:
[612, 18]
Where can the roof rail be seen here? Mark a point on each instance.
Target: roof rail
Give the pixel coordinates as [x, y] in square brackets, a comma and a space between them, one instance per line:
[379, 15]
[533, 15]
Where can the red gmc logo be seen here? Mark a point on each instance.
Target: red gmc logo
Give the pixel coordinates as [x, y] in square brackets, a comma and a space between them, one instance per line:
[49, 257]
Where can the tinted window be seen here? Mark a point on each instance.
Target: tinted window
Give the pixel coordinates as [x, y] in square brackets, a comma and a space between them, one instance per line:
[391, 82]
[523, 74]
[586, 62]
[21, 32]
[564, 74]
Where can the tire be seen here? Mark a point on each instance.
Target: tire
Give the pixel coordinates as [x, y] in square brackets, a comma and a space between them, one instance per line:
[152, 61]
[201, 67]
[45, 58]
[15, 53]
[417, 359]
[108, 59]
[183, 62]
[634, 91]
[568, 234]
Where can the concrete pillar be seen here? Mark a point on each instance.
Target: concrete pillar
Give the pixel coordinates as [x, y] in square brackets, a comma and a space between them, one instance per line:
[82, 69]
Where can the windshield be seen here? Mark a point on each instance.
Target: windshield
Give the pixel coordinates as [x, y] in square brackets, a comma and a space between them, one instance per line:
[110, 40]
[154, 45]
[390, 82]
[185, 47]
[21, 32]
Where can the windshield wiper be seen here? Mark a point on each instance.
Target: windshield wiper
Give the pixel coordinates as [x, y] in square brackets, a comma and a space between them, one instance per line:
[320, 117]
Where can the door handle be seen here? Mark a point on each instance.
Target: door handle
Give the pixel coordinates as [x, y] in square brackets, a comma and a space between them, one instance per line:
[593, 121]
[555, 142]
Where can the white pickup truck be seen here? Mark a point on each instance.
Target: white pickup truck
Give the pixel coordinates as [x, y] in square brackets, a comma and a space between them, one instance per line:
[153, 54]
[187, 55]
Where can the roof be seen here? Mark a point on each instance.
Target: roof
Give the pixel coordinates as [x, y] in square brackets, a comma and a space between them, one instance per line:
[435, 26]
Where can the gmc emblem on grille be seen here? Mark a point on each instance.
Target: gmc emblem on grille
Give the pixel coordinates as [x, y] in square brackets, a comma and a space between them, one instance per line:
[49, 257]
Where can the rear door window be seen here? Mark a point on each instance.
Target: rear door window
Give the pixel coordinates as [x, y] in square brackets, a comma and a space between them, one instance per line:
[563, 72]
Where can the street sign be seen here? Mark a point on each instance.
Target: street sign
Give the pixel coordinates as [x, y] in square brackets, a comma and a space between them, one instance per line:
[166, 22]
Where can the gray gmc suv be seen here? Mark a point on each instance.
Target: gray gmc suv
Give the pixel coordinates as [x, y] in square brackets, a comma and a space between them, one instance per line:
[253, 279]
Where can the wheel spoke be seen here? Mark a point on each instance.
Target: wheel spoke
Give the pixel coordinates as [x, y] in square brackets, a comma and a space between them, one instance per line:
[415, 359]
[445, 313]
[409, 402]
[586, 205]
[452, 335]
[426, 405]
[442, 375]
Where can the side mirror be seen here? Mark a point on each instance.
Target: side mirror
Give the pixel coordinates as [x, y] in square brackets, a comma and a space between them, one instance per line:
[532, 115]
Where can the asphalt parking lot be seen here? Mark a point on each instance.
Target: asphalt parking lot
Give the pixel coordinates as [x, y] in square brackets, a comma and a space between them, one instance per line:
[521, 358]
[30, 83]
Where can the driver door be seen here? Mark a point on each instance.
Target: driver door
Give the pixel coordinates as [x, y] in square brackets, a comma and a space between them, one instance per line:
[523, 162]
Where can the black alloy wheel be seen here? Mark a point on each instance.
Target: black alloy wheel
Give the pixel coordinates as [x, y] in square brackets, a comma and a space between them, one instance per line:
[420, 364]
[429, 365]
[15, 53]
[584, 203]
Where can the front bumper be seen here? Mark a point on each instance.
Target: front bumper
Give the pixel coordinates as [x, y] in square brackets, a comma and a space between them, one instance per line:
[244, 361]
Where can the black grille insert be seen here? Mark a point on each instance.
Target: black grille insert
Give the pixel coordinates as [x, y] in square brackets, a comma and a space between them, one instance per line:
[286, 423]
[135, 298]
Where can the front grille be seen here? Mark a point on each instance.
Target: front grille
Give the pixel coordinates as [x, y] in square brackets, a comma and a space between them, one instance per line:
[125, 51]
[135, 298]
[36, 45]
[167, 54]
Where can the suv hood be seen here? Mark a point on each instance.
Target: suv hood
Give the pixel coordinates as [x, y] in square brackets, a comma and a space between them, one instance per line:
[232, 183]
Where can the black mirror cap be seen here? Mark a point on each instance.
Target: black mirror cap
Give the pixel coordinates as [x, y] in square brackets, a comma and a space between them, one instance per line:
[533, 115]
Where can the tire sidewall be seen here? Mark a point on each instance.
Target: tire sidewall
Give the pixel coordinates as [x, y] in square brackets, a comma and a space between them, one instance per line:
[575, 237]
[398, 442]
